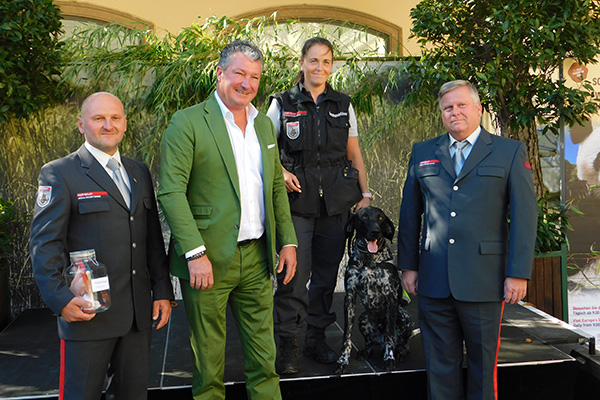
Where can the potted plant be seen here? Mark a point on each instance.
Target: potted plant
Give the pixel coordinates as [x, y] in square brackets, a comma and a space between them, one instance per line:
[547, 288]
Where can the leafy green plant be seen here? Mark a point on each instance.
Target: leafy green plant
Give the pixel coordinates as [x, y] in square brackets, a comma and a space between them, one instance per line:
[14, 257]
[25, 145]
[553, 225]
[155, 76]
[29, 56]
[512, 51]
[159, 75]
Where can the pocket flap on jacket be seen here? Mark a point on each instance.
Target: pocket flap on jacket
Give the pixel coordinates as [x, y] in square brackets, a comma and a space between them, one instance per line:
[492, 248]
[92, 206]
[350, 173]
[201, 211]
[338, 121]
[428, 170]
[491, 171]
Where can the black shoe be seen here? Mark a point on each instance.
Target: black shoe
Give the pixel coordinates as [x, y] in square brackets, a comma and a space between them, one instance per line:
[316, 347]
[287, 355]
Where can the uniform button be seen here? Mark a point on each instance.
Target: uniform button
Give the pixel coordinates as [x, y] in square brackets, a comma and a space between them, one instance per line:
[451, 241]
[133, 272]
[131, 218]
[455, 188]
[453, 214]
[236, 226]
[134, 245]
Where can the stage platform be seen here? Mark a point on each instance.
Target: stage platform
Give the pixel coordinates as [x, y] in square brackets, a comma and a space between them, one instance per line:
[540, 358]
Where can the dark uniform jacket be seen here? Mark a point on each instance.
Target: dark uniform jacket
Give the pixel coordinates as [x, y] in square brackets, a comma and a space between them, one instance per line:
[454, 230]
[83, 209]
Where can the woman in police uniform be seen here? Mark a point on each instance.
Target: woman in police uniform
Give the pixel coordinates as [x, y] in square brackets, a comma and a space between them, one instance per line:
[324, 176]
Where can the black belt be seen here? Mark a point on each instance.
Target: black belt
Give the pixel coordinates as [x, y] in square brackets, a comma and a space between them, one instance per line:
[246, 242]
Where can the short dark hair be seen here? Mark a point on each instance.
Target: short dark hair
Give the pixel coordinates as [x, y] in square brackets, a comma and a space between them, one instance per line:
[240, 46]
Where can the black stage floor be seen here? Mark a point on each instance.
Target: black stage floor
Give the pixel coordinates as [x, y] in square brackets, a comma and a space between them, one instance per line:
[540, 358]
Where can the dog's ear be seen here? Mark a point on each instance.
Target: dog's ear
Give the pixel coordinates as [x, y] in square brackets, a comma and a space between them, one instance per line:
[351, 225]
[388, 228]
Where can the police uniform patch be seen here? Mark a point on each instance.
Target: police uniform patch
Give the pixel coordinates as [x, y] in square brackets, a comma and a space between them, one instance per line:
[292, 129]
[44, 196]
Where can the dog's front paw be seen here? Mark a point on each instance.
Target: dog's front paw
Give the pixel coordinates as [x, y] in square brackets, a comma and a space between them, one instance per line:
[390, 364]
[340, 368]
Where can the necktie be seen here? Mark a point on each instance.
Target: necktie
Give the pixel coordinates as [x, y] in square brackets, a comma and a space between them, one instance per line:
[118, 178]
[459, 158]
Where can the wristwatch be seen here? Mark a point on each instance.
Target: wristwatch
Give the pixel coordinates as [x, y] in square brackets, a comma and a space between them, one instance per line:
[196, 256]
[368, 195]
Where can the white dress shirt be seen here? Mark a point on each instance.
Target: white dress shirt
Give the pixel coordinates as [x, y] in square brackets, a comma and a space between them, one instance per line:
[248, 161]
[103, 158]
[472, 138]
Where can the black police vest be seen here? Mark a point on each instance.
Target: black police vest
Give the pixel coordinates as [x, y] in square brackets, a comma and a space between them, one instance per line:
[313, 144]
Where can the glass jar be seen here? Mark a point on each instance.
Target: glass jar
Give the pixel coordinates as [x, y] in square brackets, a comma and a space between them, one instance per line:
[88, 279]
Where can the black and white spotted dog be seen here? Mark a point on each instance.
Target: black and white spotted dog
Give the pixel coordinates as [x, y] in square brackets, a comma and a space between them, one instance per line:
[371, 276]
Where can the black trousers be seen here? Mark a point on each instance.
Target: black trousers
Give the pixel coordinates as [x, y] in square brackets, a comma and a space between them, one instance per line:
[321, 242]
[84, 365]
[445, 325]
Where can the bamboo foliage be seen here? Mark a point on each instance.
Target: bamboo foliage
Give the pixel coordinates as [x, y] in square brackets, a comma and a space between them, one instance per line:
[155, 76]
[159, 75]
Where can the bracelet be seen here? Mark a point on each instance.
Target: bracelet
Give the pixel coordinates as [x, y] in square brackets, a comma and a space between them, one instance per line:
[368, 195]
[196, 256]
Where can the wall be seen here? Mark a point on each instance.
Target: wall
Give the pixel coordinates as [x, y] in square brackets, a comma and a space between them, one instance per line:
[174, 14]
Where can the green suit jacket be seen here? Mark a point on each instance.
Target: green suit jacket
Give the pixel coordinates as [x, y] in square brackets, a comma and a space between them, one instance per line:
[199, 189]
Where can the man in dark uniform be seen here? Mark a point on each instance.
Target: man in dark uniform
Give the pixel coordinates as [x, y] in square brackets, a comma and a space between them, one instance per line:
[81, 207]
[454, 247]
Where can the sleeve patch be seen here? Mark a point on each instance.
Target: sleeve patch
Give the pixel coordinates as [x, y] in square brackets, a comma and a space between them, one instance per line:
[44, 196]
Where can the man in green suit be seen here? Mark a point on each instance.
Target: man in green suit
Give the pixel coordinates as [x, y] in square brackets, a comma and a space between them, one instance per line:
[222, 191]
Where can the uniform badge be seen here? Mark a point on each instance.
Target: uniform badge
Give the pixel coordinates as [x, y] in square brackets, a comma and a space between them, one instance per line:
[340, 114]
[293, 129]
[91, 195]
[429, 162]
[44, 196]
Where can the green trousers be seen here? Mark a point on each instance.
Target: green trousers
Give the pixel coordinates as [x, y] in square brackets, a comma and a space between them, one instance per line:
[248, 291]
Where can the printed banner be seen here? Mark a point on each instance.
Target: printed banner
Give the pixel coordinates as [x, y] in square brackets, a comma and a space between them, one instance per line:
[582, 160]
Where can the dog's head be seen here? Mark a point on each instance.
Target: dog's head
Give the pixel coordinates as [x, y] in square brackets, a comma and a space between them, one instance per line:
[371, 226]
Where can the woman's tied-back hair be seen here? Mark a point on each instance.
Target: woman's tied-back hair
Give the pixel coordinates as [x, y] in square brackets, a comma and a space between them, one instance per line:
[306, 47]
